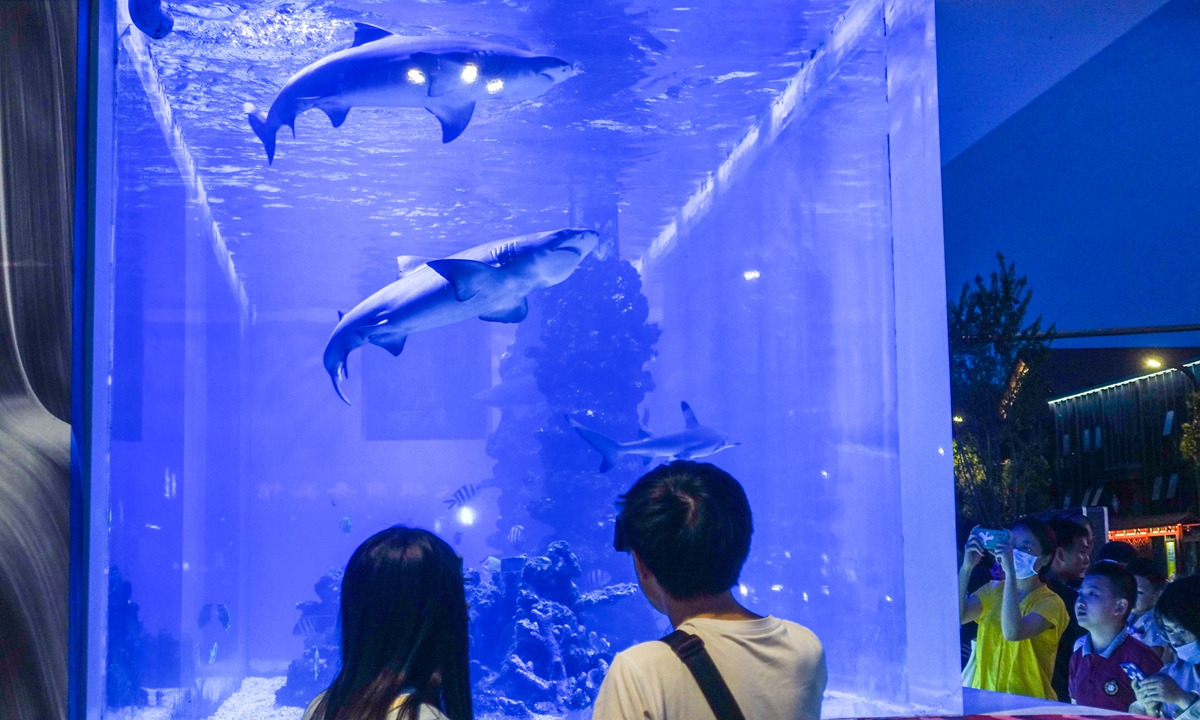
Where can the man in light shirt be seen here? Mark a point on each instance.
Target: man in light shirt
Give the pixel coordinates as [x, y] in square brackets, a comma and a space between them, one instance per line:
[688, 526]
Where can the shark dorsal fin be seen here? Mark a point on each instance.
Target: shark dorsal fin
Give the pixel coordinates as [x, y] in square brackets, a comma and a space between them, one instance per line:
[365, 33]
[466, 277]
[341, 315]
[689, 417]
[408, 263]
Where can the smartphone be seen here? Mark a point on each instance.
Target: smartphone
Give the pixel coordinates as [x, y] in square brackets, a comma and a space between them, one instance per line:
[1133, 671]
[991, 539]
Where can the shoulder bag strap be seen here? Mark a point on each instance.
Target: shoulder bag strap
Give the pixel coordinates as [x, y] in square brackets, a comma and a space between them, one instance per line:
[690, 650]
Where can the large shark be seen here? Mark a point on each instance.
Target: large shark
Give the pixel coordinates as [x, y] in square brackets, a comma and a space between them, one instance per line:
[489, 281]
[696, 441]
[446, 76]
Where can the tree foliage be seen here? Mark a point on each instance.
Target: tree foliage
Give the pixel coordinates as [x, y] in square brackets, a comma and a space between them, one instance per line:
[999, 400]
[1189, 444]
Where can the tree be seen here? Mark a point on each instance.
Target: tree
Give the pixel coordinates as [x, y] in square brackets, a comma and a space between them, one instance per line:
[1002, 424]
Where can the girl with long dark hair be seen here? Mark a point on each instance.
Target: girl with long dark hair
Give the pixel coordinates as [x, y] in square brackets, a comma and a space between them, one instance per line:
[403, 623]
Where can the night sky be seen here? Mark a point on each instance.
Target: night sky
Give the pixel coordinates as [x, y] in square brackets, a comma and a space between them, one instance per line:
[1092, 182]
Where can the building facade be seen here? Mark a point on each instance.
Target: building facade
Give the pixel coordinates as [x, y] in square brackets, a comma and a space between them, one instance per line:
[1118, 446]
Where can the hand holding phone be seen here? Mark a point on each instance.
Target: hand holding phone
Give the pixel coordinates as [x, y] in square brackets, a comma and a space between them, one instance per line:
[992, 539]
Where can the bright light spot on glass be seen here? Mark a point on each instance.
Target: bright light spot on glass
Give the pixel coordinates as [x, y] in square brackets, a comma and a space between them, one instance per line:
[743, 590]
[805, 595]
[186, 566]
[495, 86]
[887, 597]
[470, 74]
[415, 76]
[751, 275]
[941, 451]
[824, 474]
[466, 515]
[777, 588]
[958, 418]
[1153, 363]
[824, 589]
[786, 554]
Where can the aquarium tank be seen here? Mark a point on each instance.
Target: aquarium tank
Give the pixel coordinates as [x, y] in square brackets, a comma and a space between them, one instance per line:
[476, 265]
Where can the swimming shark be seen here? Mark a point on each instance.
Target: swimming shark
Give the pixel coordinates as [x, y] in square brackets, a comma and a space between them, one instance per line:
[696, 441]
[489, 281]
[446, 76]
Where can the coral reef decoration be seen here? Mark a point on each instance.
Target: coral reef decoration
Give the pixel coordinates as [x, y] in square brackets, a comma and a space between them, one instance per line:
[123, 681]
[531, 652]
[316, 667]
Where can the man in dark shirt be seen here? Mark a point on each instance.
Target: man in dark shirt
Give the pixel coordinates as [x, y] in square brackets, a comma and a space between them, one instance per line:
[1070, 564]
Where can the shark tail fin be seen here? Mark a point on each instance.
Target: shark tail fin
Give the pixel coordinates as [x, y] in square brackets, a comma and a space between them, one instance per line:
[609, 448]
[263, 129]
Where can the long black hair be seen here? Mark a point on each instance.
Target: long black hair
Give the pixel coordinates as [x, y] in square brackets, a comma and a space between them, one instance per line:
[403, 624]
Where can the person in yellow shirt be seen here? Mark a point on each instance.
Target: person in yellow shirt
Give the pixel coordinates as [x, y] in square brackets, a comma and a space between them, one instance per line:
[1020, 618]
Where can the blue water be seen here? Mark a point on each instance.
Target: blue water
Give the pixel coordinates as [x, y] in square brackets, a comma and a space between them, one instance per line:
[735, 162]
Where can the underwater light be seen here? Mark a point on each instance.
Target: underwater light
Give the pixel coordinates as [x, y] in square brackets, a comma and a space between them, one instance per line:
[1153, 363]
[958, 418]
[751, 275]
[744, 590]
[777, 588]
[495, 86]
[415, 76]
[470, 73]
[466, 515]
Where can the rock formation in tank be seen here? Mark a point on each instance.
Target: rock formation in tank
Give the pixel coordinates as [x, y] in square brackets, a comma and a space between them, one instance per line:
[532, 654]
[309, 675]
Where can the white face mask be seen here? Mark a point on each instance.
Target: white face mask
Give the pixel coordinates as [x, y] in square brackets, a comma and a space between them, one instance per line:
[1189, 653]
[1024, 563]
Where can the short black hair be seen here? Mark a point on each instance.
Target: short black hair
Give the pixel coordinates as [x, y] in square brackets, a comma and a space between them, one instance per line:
[1180, 603]
[1119, 551]
[690, 523]
[1146, 568]
[1067, 531]
[1119, 578]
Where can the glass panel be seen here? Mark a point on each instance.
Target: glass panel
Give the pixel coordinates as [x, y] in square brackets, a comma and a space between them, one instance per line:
[755, 270]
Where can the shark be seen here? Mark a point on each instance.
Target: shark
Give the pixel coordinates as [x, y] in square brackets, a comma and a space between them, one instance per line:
[695, 441]
[489, 281]
[444, 75]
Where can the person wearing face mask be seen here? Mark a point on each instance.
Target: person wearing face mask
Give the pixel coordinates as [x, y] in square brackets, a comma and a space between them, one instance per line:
[1175, 691]
[1020, 618]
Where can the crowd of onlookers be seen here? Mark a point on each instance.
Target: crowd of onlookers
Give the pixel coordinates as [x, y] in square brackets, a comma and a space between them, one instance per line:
[1051, 624]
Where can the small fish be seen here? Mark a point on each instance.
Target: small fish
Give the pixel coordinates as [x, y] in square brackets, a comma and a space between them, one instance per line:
[205, 614]
[492, 564]
[346, 525]
[462, 496]
[223, 615]
[458, 538]
[212, 654]
[597, 578]
[516, 536]
[333, 502]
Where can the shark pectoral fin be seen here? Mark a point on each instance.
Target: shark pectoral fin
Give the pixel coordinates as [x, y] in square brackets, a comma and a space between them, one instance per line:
[689, 417]
[337, 115]
[513, 314]
[454, 119]
[366, 32]
[467, 277]
[643, 433]
[392, 344]
[407, 263]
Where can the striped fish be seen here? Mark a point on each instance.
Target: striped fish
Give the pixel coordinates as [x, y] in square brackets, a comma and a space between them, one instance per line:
[516, 536]
[597, 579]
[462, 496]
